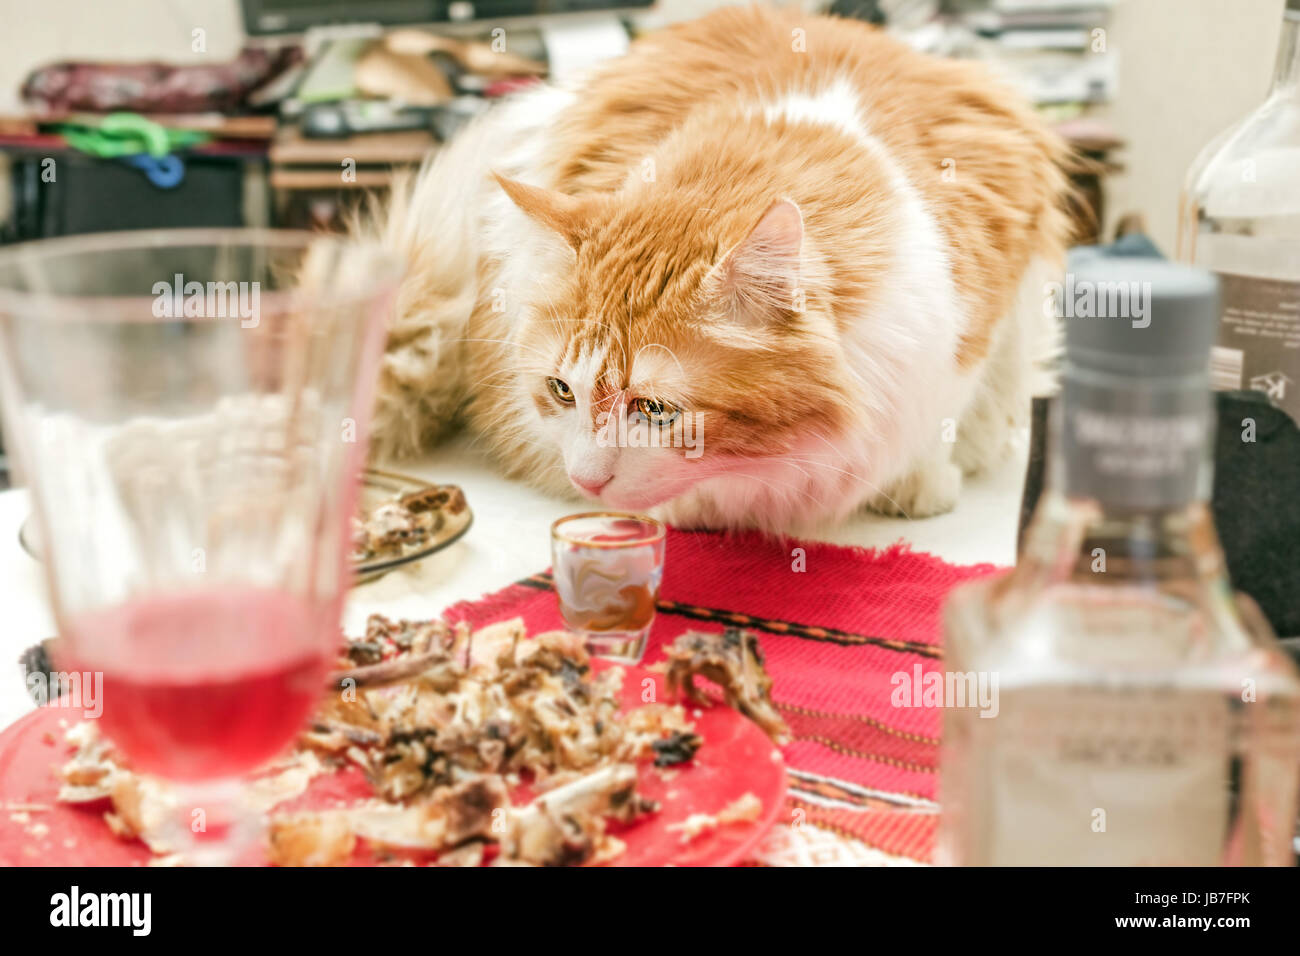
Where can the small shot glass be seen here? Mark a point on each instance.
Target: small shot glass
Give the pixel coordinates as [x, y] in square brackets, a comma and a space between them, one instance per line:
[607, 567]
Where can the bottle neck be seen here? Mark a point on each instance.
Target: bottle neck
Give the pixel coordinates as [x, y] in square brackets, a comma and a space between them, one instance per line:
[1286, 74]
[1175, 549]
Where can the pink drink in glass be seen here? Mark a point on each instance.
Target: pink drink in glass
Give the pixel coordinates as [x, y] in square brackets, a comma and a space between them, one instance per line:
[189, 410]
[208, 684]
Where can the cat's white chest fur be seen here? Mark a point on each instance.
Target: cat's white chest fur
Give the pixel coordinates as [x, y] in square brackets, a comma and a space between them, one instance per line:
[900, 349]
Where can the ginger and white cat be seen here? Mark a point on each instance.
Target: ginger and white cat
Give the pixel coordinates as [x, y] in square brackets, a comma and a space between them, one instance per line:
[761, 271]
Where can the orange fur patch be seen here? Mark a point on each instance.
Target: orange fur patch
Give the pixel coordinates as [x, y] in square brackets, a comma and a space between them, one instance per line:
[661, 167]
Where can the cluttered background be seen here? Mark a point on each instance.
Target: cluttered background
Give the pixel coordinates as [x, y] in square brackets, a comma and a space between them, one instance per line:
[162, 113]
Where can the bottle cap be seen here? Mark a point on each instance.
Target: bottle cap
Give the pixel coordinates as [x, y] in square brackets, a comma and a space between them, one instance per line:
[1135, 413]
[1137, 315]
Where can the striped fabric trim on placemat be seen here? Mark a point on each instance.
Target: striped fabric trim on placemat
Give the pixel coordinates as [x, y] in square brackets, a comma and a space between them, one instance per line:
[545, 582]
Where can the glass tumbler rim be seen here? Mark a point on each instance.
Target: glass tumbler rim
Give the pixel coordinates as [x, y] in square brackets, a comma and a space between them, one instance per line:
[659, 533]
[31, 303]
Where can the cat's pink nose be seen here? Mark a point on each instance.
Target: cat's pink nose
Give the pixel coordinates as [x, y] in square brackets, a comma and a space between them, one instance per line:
[591, 486]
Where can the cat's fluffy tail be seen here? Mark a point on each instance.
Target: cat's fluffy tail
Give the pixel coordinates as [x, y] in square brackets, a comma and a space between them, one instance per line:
[436, 220]
[432, 219]
[428, 223]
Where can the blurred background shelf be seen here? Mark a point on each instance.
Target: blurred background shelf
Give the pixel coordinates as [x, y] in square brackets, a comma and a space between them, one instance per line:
[1136, 85]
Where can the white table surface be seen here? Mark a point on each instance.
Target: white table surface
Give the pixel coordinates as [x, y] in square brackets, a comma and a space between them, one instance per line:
[509, 540]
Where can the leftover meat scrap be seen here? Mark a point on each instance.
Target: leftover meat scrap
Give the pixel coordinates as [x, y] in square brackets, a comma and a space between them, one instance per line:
[409, 521]
[732, 660]
[449, 726]
[744, 809]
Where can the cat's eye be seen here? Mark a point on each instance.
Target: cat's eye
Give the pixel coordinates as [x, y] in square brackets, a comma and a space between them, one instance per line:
[657, 413]
[560, 389]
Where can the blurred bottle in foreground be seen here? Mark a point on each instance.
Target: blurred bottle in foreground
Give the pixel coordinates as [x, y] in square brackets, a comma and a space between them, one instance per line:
[1240, 217]
[1143, 714]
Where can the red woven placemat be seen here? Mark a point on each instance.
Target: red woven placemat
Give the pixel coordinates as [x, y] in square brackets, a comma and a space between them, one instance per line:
[835, 624]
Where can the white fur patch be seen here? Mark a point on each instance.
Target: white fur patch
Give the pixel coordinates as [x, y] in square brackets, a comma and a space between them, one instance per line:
[526, 252]
[902, 348]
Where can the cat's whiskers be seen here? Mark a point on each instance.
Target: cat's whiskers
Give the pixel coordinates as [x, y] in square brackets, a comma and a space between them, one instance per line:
[780, 485]
[819, 463]
[484, 381]
[499, 388]
[480, 441]
[870, 485]
[610, 372]
[552, 314]
[654, 395]
[508, 343]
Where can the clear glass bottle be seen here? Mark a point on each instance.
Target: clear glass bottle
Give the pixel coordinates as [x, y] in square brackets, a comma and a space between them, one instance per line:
[1143, 714]
[1240, 217]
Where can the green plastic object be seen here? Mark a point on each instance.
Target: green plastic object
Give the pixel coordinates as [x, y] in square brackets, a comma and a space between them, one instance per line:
[127, 134]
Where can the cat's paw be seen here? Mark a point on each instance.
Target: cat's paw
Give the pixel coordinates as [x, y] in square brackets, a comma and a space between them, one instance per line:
[931, 489]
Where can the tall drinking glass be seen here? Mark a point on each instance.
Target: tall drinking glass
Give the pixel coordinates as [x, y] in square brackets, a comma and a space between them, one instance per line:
[189, 409]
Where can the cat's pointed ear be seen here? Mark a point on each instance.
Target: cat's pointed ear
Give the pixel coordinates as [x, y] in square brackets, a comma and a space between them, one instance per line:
[760, 275]
[556, 211]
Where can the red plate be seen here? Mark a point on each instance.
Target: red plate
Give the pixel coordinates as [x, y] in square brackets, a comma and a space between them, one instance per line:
[736, 758]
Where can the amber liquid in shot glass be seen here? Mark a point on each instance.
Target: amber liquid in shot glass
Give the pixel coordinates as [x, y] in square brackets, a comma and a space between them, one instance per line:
[607, 567]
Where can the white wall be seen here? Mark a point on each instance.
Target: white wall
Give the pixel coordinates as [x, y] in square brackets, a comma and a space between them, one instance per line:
[1188, 69]
[36, 32]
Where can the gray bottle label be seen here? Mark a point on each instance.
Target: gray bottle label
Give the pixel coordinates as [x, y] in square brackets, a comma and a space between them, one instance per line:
[1134, 447]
